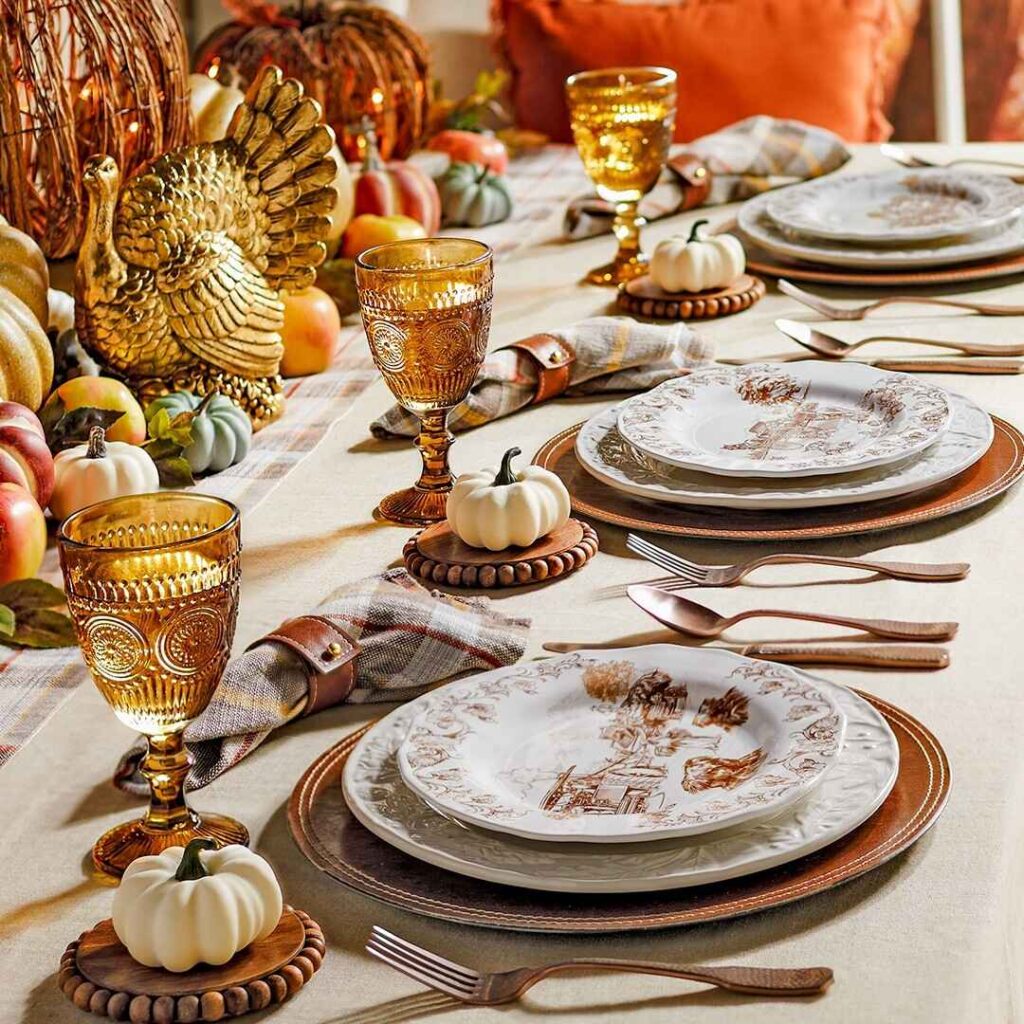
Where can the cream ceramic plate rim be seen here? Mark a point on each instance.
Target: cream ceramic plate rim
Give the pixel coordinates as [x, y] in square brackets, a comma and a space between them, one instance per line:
[792, 208]
[685, 750]
[754, 222]
[666, 423]
[968, 438]
[849, 794]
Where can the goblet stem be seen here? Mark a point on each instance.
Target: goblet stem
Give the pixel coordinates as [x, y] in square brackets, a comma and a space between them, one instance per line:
[629, 261]
[433, 441]
[165, 767]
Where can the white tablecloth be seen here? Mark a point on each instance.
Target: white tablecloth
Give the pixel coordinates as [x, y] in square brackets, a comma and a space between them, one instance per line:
[933, 936]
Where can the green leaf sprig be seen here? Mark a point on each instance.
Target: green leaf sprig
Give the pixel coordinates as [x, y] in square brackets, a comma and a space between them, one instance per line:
[168, 438]
[65, 428]
[28, 618]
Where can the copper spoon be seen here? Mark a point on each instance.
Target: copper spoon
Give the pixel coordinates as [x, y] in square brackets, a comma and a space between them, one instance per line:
[696, 619]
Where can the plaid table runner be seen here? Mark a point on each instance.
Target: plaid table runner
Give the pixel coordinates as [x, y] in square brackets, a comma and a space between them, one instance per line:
[34, 684]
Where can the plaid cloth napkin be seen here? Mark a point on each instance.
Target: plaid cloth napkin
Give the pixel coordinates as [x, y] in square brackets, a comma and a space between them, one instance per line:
[749, 157]
[410, 639]
[611, 354]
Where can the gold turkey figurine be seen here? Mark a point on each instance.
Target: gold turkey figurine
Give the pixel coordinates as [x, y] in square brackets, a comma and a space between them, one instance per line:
[179, 272]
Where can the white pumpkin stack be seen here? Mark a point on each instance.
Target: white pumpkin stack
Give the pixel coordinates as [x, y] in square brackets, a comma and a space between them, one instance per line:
[498, 508]
[195, 904]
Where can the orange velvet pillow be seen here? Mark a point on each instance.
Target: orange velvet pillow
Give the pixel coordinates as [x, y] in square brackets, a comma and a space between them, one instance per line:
[821, 61]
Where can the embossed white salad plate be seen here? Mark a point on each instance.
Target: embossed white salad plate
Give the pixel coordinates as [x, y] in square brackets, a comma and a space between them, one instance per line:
[757, 225]
[656, 743]
[897, 207]
[798, 419]
[604, 454]
[848, 795]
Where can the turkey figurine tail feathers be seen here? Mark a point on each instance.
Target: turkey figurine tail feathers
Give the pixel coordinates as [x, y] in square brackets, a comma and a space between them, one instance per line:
[290, 170]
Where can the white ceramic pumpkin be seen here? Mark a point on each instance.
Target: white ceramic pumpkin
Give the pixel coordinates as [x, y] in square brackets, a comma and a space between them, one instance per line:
[26, 357]
[213, 106]
[498, 509]
[696, 263]
[195, 905]
[100, 470]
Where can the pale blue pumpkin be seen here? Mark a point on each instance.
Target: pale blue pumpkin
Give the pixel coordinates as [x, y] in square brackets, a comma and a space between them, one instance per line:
[221, 431]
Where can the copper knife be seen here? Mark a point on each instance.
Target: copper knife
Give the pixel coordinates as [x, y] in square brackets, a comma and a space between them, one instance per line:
[921, 364]
[898, 656]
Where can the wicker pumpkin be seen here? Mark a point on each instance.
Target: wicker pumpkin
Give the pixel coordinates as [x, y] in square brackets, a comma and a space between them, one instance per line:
[93, 76]
[355, 59]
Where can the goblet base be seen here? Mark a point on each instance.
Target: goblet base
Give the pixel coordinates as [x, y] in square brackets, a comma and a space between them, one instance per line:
[618, 271]
[117, 848]
[414, 506]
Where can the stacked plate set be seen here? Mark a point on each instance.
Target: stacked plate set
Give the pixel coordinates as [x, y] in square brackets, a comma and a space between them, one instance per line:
[623, 771]
[891, 222]
[792, 436]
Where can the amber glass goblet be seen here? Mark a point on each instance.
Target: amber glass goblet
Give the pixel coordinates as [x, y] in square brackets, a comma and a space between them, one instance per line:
[622, 122]
[152, 586]
[426, 308]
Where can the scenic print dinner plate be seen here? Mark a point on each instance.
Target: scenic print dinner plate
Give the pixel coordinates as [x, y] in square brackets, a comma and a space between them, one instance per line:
[897, 207]
[757, 226]
[802, 419]
[615, 747]
[606, 456]
[850, 792]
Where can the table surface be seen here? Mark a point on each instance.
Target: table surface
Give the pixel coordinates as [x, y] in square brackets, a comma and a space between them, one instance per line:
[933, 936]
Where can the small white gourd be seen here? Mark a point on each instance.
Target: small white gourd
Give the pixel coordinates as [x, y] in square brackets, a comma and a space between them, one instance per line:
[498, 509]
[195, 904]
[696, 263]
[99, 470]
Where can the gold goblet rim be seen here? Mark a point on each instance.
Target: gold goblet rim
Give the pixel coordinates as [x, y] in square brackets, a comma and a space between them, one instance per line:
[604, 78]
[65, 539]
[364, 261]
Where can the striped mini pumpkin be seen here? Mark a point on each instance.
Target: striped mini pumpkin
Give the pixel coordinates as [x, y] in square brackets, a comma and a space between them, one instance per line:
[386, 188]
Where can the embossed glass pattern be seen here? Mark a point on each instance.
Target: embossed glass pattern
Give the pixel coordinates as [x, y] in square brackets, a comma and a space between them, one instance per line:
[426, 309]
[622, 123]
[152, 586]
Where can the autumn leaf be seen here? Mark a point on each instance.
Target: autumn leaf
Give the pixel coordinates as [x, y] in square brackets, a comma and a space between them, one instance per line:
[21, 595]
[42, 628]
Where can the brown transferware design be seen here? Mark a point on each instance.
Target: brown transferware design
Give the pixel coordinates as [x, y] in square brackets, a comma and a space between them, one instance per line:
[492, 988]
[702, 773]
[731, 709]
[98, 974]
[997, 471]
[337, 844]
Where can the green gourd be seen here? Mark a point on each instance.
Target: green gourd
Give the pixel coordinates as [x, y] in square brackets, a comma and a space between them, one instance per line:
[472, 196]
[221, 431]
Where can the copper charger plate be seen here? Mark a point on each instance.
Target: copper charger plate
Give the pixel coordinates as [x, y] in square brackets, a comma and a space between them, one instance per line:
[328, 834]
[998, 469]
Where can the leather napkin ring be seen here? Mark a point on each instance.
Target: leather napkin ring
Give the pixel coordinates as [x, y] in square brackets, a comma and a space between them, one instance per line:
[554, 360]
[695, 178]
[328, 654]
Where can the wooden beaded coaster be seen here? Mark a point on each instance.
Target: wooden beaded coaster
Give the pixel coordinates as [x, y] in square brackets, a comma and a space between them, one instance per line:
[642, 297]
[438, 556]
[97, 974]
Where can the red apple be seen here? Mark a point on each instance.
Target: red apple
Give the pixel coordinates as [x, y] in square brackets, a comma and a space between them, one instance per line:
[25, 458]
[310, 332]
[472, 148]
[98, 393]
[22, 534]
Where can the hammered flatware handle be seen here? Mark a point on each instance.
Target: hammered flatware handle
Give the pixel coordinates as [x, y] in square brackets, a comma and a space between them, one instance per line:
[767, 981]
[892, 629]
[895, 570]
[861, 655]
[976, 366]
[986, 309]
[969, 348]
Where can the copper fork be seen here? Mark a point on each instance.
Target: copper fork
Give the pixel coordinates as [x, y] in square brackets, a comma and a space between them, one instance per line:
[693, 574]
[831, 312]
[491, 988]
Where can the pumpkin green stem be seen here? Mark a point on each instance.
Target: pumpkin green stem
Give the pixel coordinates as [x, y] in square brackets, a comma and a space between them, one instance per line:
[202, 406]
[97, 448]
[191, 867]
[505, 475]
[693, 231]
[482, 176]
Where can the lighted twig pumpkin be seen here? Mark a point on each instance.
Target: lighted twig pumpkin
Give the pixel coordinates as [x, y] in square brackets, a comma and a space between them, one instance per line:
[93, 76]
[354, 59]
